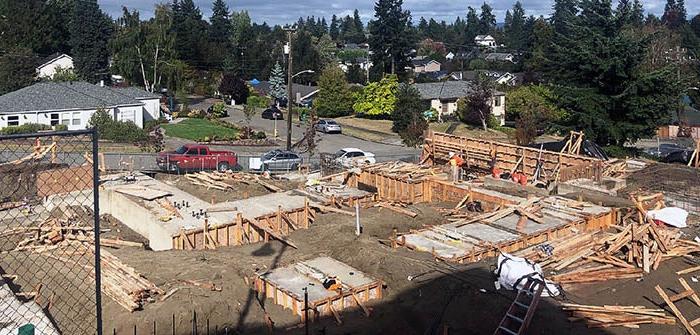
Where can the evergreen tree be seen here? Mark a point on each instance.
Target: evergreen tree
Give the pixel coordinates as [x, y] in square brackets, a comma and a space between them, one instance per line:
[472, 26]
[359, 27]
[356, 75]
[189, 29]
[90, 32]
[564, 13]
[514, 28]
[391, 37]
[334, 29]
[334, 96]
[220, 31]
[487, 20]
[674, 14]
[605, 91]
[407, 117]
[17, 69]
[277, 87]
[422, 28]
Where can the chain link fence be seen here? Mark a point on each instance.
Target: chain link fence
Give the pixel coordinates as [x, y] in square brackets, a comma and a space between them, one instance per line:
[49, 234]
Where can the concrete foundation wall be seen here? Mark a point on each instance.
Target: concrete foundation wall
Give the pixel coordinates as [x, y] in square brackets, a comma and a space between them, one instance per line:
[136, 217]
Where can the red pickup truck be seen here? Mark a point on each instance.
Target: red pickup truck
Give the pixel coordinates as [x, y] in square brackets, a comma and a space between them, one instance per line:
[196, 157]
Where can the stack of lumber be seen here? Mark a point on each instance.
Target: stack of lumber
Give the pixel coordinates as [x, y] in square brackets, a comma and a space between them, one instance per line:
[11, 204]
[610, 316]
[637, 248]
[615, 168]
[397, 207]
[224, 181]
[401, 170]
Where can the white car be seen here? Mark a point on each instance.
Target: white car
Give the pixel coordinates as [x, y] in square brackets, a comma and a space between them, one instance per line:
[353, 157]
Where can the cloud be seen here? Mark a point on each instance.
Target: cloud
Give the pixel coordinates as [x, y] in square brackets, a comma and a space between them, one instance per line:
[285, 11]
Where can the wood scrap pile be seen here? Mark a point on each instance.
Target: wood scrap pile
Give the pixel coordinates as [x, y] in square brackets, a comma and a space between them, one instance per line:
[638, 247]
[615, 168]
[401, 170]
[610, 316]
[38, 154]
[224, 181]
[11, 205]
[398, 207]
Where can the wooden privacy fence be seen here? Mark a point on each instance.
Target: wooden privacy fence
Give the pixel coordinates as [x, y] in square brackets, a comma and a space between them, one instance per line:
[479, 153]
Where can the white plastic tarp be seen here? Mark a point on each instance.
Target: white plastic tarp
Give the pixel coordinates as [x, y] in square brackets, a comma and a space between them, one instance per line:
[514, 271]
[672, 216]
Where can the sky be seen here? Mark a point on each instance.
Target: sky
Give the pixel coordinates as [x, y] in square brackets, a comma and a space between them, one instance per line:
[286, 11]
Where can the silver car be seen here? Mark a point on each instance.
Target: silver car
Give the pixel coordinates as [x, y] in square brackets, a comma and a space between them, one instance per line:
[328, 126]
[280, 160]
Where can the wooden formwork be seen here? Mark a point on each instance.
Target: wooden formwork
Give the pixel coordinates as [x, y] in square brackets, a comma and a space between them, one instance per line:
[389, 188]
[245, 230]
[479, 153]
[350, 288]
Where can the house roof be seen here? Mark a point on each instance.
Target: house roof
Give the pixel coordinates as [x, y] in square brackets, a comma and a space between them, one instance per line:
[52, 58]
[422, 61]
[135, 93]
[499, 56]
[446, 90]
[56, 96]
[303, 90]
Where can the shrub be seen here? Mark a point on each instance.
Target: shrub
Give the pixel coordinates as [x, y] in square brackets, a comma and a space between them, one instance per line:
[60, 127]
[258, 101]
[260, 135]
[218, 110]
[24, 129]
[117, 131]
[196, 114]
[150, 125]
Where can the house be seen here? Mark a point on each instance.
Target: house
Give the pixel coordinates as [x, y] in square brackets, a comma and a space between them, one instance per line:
[73, 103]
[500, 57]
[52, 63]
[422, 64]
[299, 92]
[443, 97]
[498, 77]
[485, 41]
[364, 63]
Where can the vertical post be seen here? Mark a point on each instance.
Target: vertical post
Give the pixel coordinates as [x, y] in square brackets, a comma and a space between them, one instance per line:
[290, 102]
[357, 219]
[306, 311]
[96, 230]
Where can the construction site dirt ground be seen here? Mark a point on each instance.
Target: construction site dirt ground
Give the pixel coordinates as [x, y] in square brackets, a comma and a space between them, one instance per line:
[462, 297]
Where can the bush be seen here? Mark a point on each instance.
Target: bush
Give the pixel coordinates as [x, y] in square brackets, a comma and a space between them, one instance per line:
[260, 135]
[218, 110]
[150, 125]
[60, 127]
[24, 129]
[492, 122]
[258, 102]
[196, 114]
[117, 131]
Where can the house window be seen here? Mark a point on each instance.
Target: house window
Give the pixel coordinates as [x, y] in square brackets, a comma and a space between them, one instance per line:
[497, 102]
[54, 119]
[65, 119]
[76, 119]
[13, 120]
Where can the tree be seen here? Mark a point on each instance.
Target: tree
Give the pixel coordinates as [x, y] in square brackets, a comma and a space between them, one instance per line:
[219, 33]
[62, 74]
[514, 30]
[407, 117]
[377, 99]
[629, 13]
[605, 89]
[533, 108]
[326, 49]
[234, 87]
[433, 50]
[472, 26]
[90, 32]
[189, 29]
[334, 96]
[487, 20]
[391, 37]
[334, 30]
[564, 14]
[674, 14]
[278, 89]
[17, 69]
[476, 108]
[356, 75]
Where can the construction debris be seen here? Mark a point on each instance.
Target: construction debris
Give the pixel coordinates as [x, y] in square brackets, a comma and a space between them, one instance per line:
[224, 181]
[617, 316]
[670, 302]
[401, 170]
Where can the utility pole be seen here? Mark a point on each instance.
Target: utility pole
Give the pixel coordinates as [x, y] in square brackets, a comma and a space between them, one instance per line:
[290, 103]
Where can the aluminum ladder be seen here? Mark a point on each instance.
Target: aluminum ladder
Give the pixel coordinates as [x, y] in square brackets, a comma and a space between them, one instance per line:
[522, 309]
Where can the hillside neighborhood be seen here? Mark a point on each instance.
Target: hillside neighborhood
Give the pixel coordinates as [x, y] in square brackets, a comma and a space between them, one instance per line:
[190, 167]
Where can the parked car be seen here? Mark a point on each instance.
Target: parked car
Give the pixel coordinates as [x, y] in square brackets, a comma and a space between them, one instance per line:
[352, 157]
[282, 102]
[328, 126]
[664, 150]
[280, 160]
[196, 157]
[272, 113]
[308, 102]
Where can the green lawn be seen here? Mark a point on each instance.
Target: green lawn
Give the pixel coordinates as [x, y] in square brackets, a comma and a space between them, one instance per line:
[199, 129]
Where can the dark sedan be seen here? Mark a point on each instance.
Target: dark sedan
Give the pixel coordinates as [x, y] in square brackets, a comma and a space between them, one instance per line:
[272, 114]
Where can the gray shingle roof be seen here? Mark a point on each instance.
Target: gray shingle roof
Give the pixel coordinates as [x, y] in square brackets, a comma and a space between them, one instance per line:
[303, 90]
[55, 96]
[446, 90]
[135, 92]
